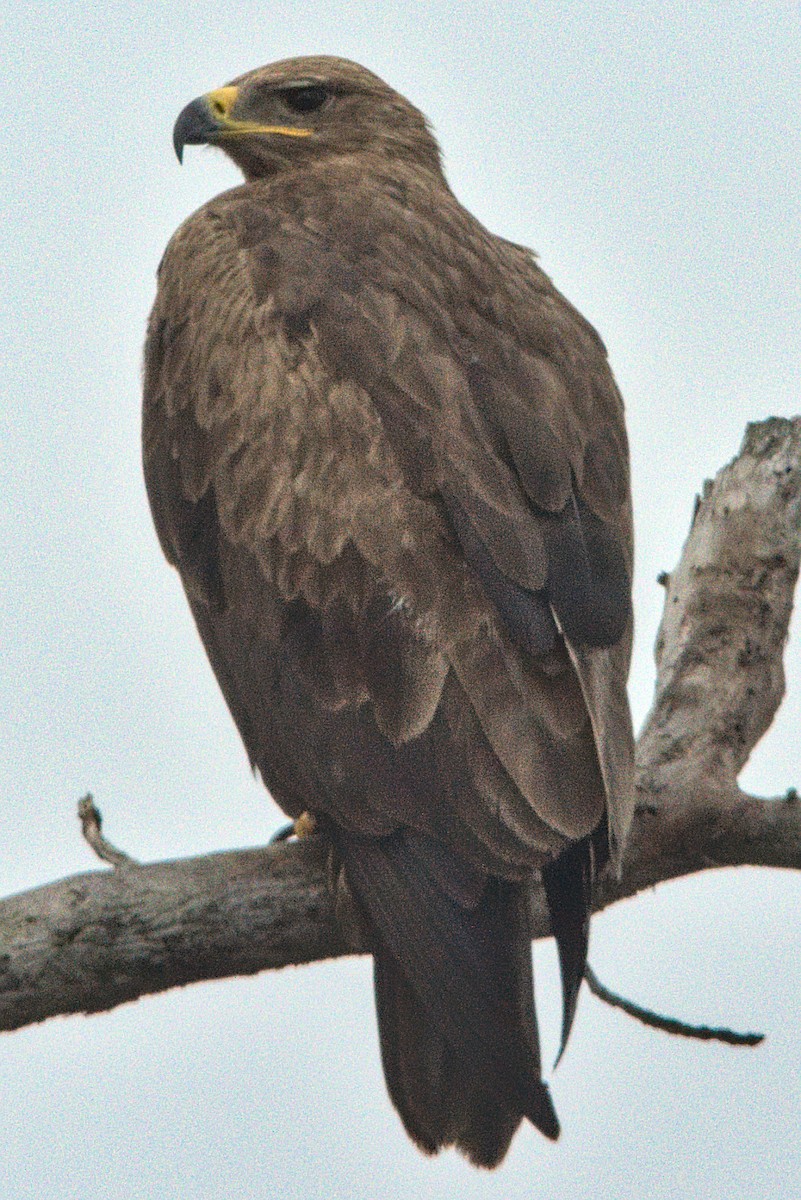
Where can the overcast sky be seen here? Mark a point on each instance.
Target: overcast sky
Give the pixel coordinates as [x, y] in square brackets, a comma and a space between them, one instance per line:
[649, 152]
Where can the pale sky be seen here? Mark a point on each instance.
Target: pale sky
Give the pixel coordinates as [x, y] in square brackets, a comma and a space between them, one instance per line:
[649, 152]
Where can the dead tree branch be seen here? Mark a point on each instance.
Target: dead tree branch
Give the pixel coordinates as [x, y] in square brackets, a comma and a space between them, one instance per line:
[88, 943]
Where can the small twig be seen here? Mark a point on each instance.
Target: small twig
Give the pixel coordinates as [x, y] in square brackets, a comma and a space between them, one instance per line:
[91, 827]
[702, 1033]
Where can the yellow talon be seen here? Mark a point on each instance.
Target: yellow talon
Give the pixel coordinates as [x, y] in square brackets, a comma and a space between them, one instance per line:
[305, 825]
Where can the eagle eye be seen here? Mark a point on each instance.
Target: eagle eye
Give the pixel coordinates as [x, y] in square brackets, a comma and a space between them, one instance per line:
[304, 99]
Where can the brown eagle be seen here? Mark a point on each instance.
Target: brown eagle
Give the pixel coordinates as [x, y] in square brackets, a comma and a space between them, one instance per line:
[389, 461]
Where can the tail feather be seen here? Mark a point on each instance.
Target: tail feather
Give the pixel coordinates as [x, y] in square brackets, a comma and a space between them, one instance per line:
[414, 1058]
[486, 1138]
[454, 997]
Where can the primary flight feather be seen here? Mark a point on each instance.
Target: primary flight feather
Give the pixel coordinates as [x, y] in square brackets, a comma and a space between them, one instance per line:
[389, 461]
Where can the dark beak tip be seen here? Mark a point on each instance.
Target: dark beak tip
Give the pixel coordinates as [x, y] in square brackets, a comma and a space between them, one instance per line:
[195, 126]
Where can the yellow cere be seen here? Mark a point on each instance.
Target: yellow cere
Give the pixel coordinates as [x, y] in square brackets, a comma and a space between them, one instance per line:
[223, 99]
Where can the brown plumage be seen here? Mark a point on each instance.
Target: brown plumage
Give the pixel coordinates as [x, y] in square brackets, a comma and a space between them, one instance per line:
[389, 461]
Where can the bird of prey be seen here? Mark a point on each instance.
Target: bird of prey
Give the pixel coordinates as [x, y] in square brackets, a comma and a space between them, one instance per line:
[388, 459]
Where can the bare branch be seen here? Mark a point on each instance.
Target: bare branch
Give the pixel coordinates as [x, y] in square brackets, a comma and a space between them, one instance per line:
[720, 675]
[701, 1033]
[92, 829]
[93, 941]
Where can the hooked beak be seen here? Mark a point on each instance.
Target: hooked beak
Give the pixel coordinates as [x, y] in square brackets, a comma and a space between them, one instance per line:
[209, 119]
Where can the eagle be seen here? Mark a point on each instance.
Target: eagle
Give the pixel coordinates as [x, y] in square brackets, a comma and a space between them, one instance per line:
[389, 462]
